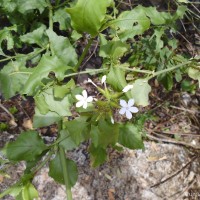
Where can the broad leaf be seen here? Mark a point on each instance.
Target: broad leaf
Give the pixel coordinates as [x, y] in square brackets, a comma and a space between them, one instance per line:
[27, 5]
[13, 77]
[131, 23]
[76, 129]
[104, 134]
[62, 17]
[67, 143]
[98, 155]
[62, 48]
[36, 37]
[56, 172]
[116, 78]
[46, 65]
[140, 92]
[130, 136]
[113, 50]
[29, 192]
[27, 147]
[88, 15]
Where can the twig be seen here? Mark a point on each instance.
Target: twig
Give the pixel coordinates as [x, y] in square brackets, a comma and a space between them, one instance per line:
[172, 141]
[176, 173]
[7, 111]
[187, 110]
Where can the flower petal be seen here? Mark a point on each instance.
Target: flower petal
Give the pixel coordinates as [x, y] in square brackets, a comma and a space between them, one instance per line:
[133, 109]
[123, 103]
[131, 102]
[84, 93]
[128, 114]
[122, 111]
[79, 104]
[127, 88]
[112, 120]
[103, 79]
[79, 97]
[89, 99]
[85, 105]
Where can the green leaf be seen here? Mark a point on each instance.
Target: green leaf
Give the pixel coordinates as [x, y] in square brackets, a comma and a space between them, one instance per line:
[131, 23]
[98, 155]
[29, 192]
[46, 65]
[194, 73]
[116, 78]
[62, 17]
[67, 142]
[140, 92]
[88, 15]
[130, 136]
[49, 109]
[167, 80]
[113, 50]
[62, 48]
[13, 77]
[27, 147]
[76, 129]
[60, 91]
[104, 134]
[6, 35]
[40, 120]
[27, 5]
[36, 37]
[55, 171]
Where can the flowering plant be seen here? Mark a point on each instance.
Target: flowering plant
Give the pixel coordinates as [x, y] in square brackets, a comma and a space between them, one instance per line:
[47, 71]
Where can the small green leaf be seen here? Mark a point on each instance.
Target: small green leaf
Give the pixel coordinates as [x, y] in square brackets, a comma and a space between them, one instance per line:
[41, 104]
[130, 136]
[55, 171]
[67, 143]
[194, 73]
[27, 147]
[88, 15]
[36, 37]
[62, 17]
[140, 92]
[29, 192]
[116, 78]
[98, 155]
[166, 80]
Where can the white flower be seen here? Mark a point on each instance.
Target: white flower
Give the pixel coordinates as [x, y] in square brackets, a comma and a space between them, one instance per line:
[90, 81]
[103, 79]
[127, 88]
[83, 99]
[128, 108]
[112, 120]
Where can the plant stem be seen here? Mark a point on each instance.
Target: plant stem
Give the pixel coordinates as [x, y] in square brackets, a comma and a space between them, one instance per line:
[136, 70]
[84, 53]
[65, 173]
[87, 72]
[29, 56]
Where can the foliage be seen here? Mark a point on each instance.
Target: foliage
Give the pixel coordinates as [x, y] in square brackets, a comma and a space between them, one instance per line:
[39, 55]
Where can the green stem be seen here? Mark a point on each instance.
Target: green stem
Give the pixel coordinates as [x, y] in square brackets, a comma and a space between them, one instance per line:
[84, 54]
[20, 182]
[86, 72]
[65, 173]
[169, 69]
[136, 70]
[29, 56]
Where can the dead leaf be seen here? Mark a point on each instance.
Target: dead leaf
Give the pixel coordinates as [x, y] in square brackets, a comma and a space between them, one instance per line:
[12, 123]
[27, 123]
[110, 194]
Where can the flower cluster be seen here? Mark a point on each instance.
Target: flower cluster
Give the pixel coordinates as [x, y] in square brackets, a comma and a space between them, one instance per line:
[127, 108]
